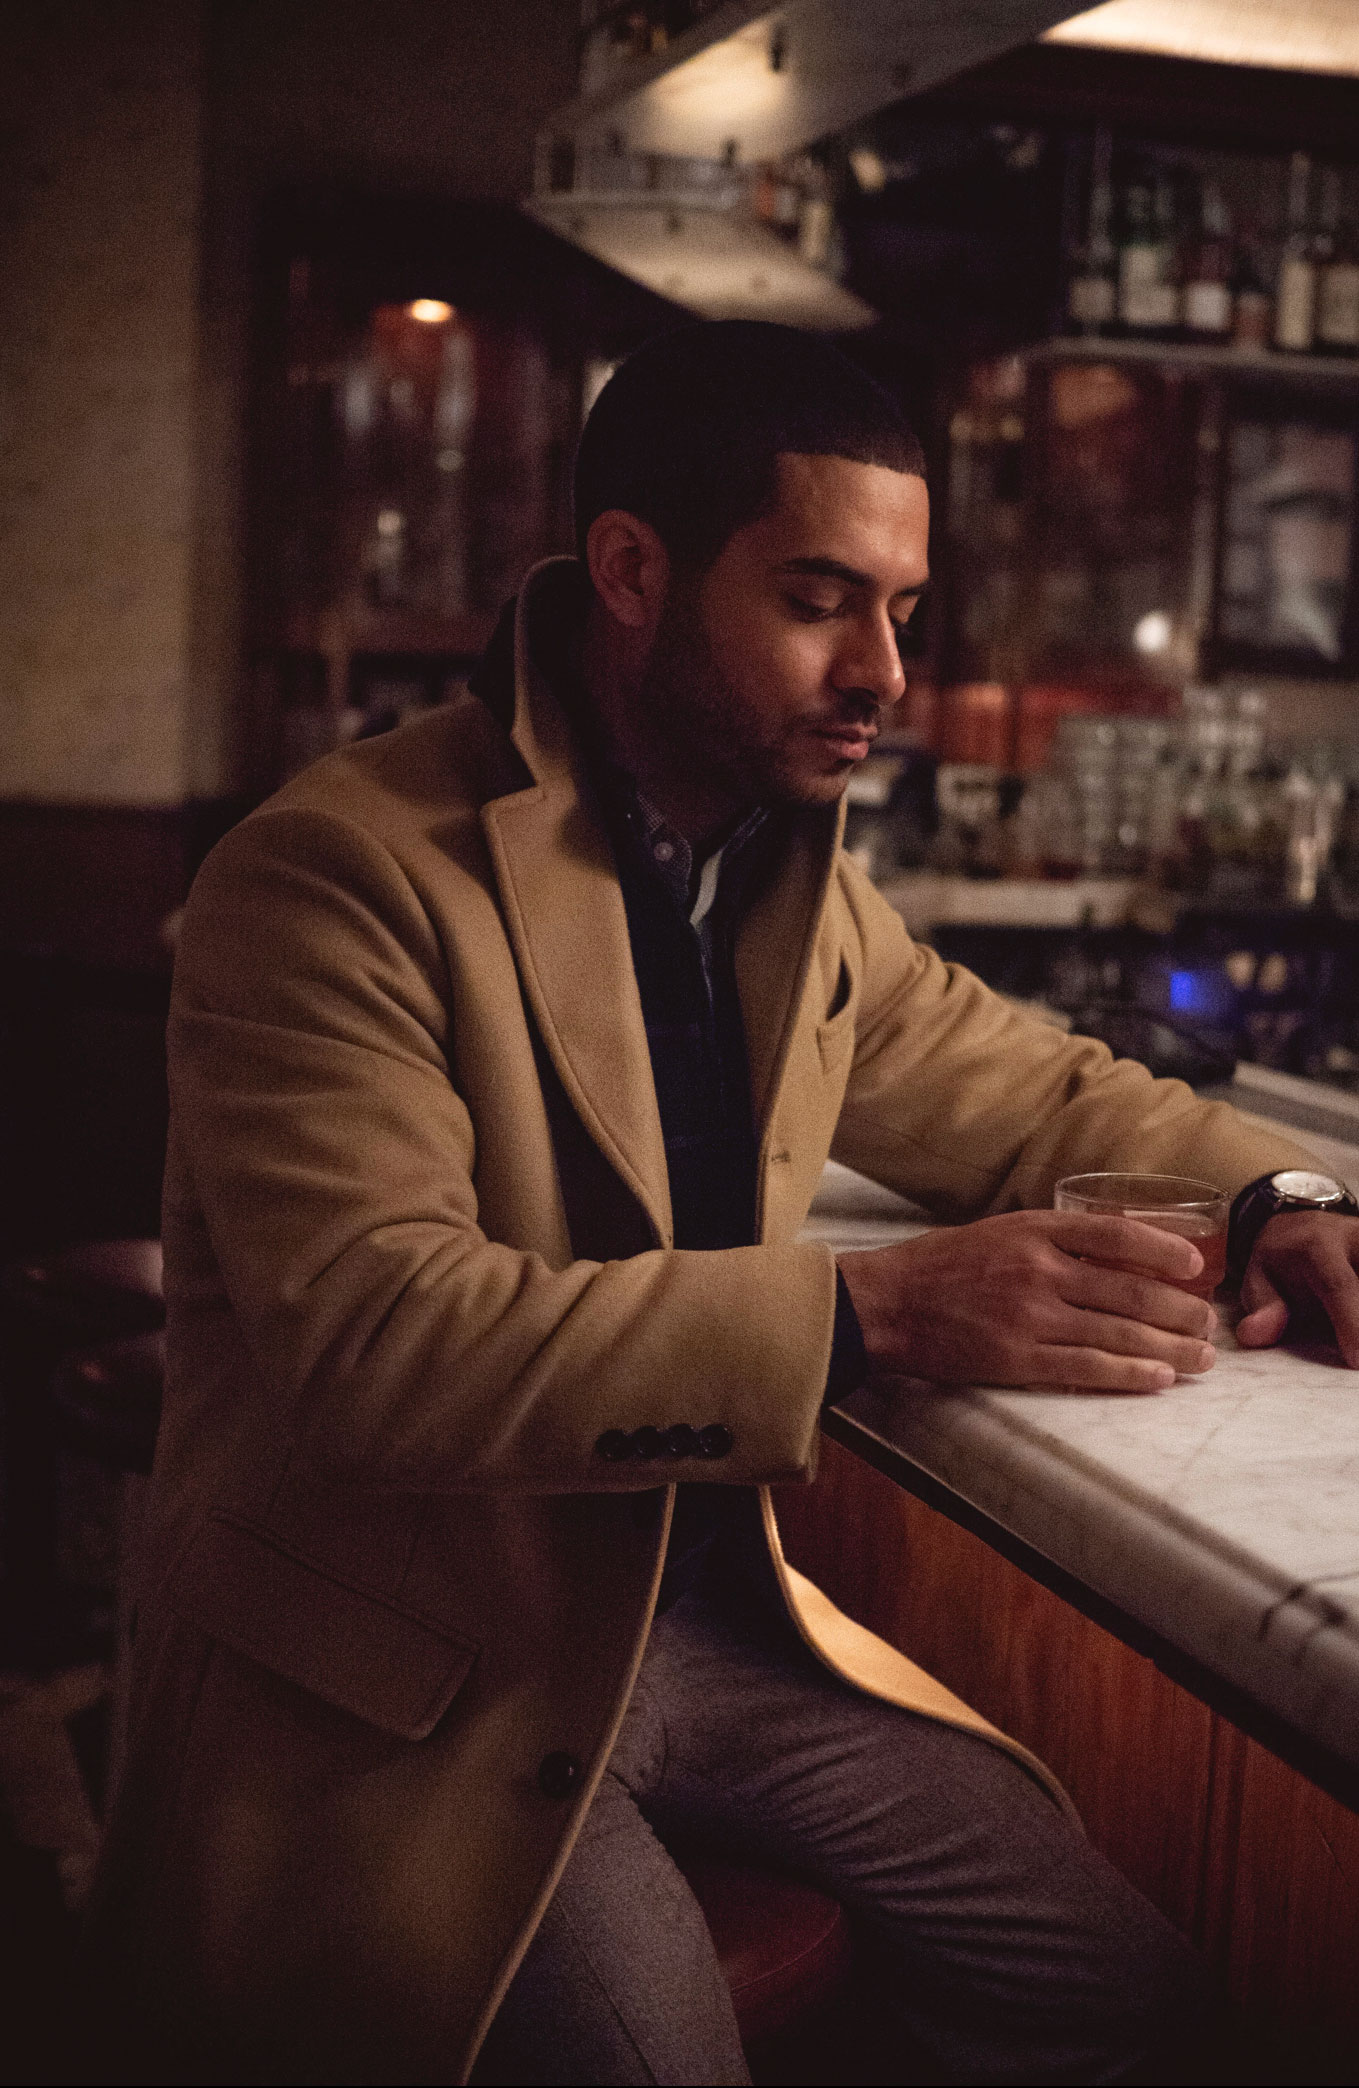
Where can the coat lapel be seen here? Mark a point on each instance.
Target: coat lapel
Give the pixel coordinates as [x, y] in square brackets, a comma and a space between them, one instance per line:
[564, 910]
[774, 951]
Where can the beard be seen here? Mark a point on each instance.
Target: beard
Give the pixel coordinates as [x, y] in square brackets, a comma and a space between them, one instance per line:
[706, 724]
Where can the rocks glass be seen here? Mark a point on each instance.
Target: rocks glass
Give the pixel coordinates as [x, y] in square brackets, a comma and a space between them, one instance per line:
[1172, 1203]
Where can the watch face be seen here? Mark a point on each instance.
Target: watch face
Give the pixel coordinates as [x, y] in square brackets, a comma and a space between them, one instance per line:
[1299, 1186]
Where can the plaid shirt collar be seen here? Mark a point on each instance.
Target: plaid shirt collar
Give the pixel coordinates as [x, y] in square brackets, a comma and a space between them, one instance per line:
[664, 853]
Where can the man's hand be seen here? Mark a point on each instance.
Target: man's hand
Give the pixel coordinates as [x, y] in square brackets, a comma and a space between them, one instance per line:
[1024, 1300]
[1303, 1267]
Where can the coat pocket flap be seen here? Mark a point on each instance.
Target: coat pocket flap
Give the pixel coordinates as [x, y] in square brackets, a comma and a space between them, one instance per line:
[352, 1649]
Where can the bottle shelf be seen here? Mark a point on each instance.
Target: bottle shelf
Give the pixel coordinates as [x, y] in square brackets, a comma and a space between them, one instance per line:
[1191, 356]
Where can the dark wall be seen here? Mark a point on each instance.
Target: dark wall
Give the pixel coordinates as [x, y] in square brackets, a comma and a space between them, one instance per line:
[442, 97]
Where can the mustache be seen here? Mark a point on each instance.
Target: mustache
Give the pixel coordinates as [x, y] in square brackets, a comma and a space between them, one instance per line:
[857, 709]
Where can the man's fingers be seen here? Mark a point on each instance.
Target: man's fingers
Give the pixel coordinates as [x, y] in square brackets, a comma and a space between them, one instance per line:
[1129, 1242]
[1301, 1260]
[1138, 1298]
[1334, 1282]
[1266, 1314]
[1186, 1355]
[1256, 1287]
[1263, 1327]
[1095, 1370]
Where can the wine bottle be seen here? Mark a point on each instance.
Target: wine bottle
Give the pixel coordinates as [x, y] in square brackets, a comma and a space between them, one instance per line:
[1148, 293]
[1207, 286]
[1092, 294]
[1337, 327]
[1295, 297]
[1252, 305]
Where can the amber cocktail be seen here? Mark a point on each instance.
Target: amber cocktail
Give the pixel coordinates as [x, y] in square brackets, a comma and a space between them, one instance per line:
[1172, 1203]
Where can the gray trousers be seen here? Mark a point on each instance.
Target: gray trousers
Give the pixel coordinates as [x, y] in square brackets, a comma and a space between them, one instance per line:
[1003, 1943]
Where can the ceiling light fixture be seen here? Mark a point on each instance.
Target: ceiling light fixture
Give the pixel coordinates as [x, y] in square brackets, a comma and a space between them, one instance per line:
[1318, 36]
[430, 311]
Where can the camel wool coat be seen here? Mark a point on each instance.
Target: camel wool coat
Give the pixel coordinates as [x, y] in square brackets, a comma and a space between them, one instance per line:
[418, 1261]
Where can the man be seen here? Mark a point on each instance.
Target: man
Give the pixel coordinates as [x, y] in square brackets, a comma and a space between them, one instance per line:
[506, 1053]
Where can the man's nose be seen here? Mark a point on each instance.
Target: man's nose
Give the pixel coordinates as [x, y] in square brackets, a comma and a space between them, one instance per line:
[871, 665]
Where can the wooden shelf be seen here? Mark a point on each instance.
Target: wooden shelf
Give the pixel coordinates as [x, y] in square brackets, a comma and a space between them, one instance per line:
[1189, 356]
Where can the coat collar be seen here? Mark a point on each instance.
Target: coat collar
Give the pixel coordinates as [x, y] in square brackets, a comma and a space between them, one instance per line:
[564, 910]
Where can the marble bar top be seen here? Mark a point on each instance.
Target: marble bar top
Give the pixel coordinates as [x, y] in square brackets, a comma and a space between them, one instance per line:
[1222, 1516]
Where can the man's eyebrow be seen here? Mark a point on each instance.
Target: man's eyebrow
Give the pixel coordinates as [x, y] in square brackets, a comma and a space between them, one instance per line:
[834, 569]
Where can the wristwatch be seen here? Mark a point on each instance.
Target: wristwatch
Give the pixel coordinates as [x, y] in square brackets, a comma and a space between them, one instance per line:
[1296, 1189]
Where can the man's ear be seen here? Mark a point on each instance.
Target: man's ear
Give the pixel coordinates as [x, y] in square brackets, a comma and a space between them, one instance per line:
[629, 566]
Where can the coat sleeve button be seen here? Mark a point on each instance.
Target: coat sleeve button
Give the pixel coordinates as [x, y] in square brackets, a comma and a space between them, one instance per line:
[647, 1442]
[682, 1441]
[613, 1446]
[715, 1440]
[558, 1775]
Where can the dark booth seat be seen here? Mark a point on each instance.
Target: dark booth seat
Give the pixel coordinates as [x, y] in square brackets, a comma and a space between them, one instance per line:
[92, 1292]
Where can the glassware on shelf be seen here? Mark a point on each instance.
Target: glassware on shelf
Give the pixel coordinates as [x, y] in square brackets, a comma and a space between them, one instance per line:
[971, 799]
[408, 403]
[1310, 811]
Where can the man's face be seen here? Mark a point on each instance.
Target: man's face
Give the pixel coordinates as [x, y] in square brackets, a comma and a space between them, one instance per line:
[775, 667]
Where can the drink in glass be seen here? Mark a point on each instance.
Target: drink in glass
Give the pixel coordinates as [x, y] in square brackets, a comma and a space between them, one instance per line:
[1172, 1203]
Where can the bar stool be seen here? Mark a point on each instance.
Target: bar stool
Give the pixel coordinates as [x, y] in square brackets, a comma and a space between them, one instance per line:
[784, 1949]
[49, 1302]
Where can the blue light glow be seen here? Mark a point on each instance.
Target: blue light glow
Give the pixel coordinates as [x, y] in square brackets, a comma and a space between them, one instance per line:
[1186, 992]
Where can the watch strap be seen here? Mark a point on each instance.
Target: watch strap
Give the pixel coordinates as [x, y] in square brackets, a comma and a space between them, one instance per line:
[1252, 1210]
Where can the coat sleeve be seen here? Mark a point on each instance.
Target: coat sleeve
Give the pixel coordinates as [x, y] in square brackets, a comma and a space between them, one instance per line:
[332, 1160]
[969, 1105]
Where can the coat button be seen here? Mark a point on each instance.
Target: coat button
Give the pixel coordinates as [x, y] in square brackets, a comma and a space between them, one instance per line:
[558, 1775]
[682, 1441]
[647, 1442]
[715, 1440]
[613, 1446]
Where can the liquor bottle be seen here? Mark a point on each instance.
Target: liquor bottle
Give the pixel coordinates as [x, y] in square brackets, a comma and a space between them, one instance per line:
[1337, 328]
[1252, 305]
[1207, 285]
[1092, 295]
[1148, 292]
[1295, 298]
[1168, 218]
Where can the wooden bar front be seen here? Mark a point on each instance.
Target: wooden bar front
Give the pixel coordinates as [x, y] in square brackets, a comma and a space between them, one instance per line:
[1249, 1859]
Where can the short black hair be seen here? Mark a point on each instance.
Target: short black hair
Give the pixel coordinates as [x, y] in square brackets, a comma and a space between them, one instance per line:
[687, 432]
